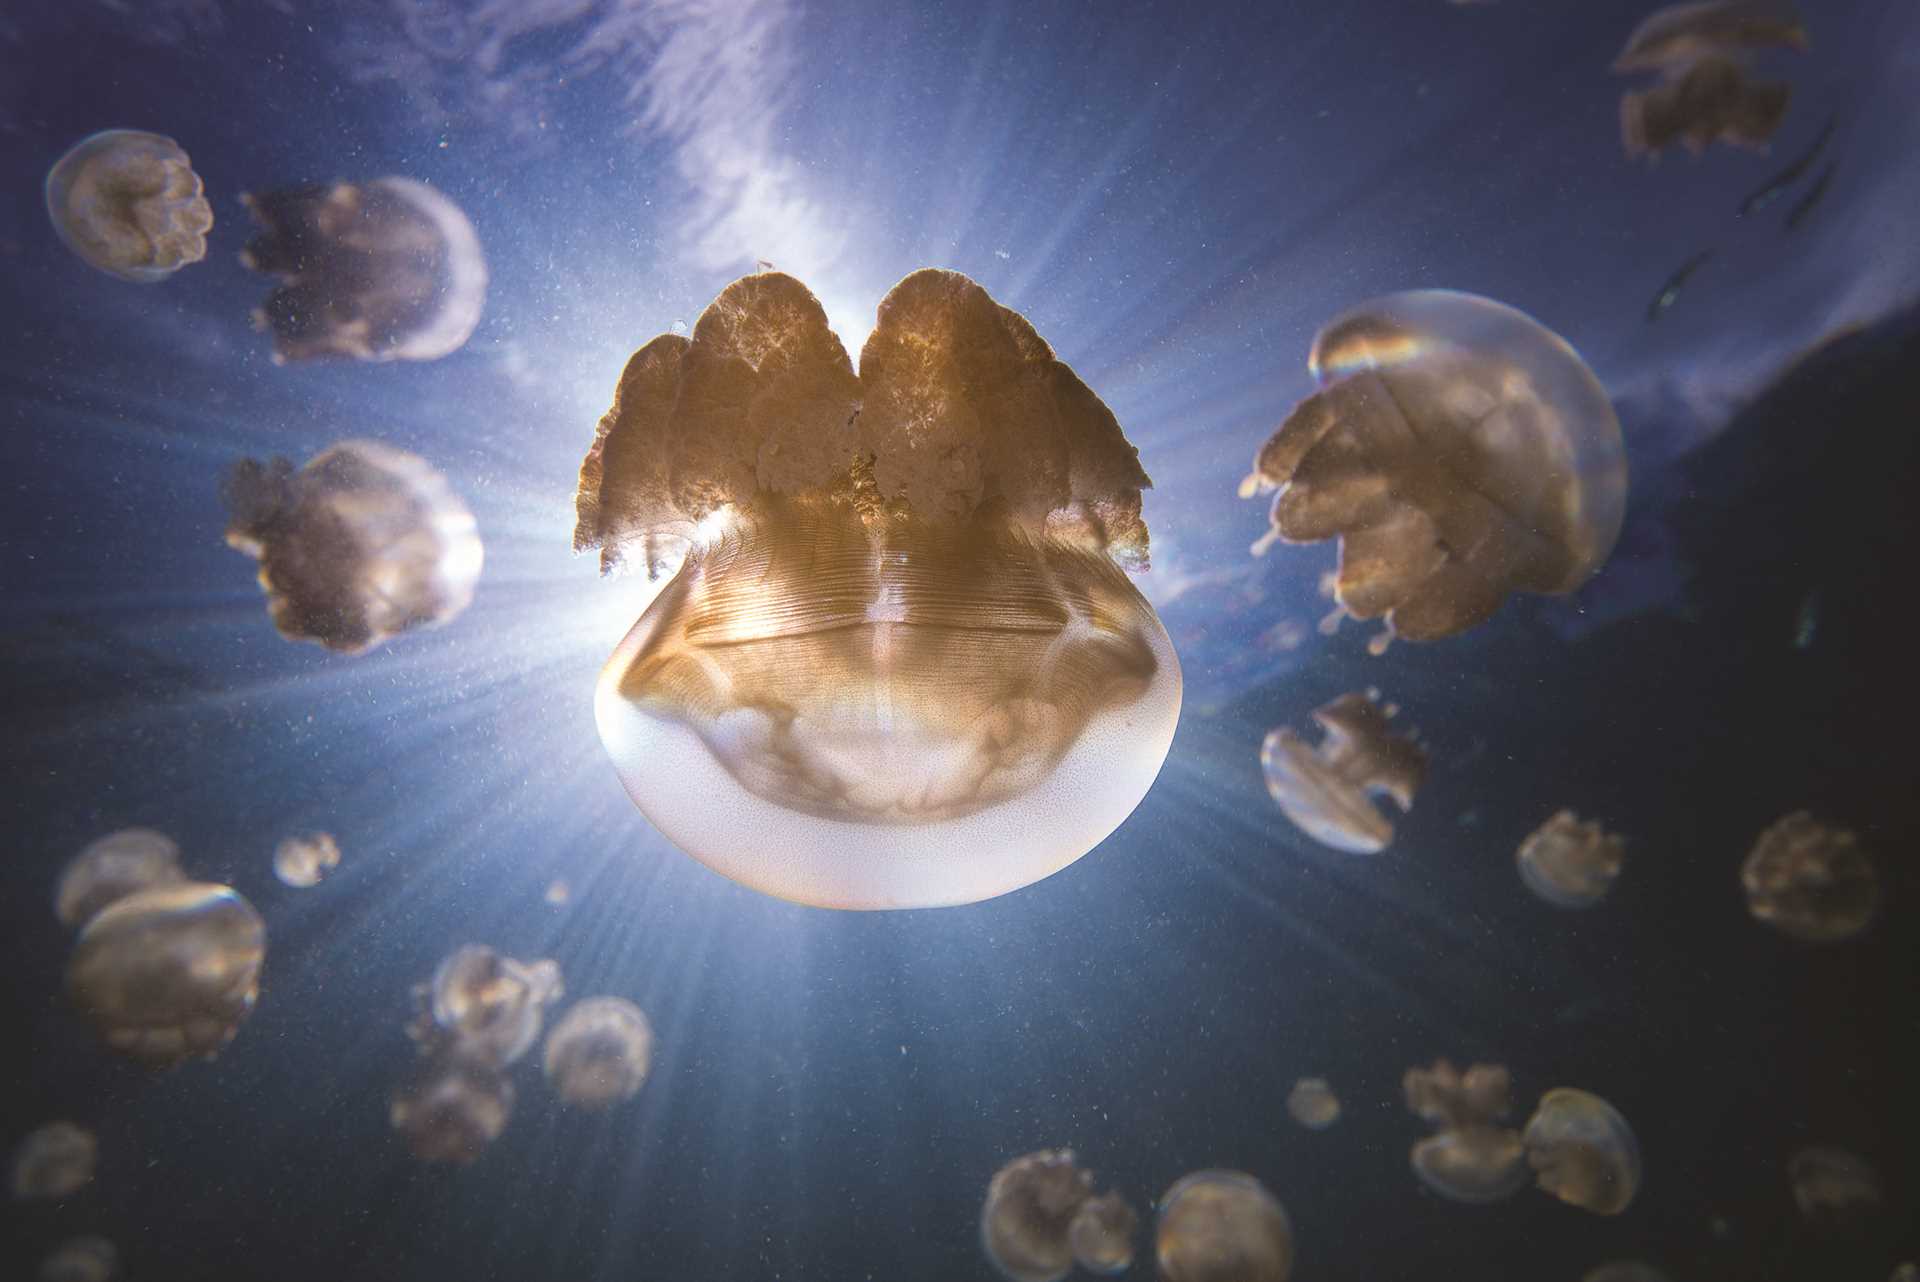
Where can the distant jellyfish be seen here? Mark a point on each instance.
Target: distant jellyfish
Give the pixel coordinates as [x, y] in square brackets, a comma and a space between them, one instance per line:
[1681, 34]
[456, 1106]
[1327, 791]
[1313, 1103]
[360, 545]
[599, 1052]
[377, 271]
[1101, 1234]
[113, 867]
[302, 861]
[1712, 101]
[1458, 449]
[1223, 1226]
[1813, 881]
[899, 662]
[1582, 1151]
[130, 204]
[1624, 1271]
[1568, 863]
[1027, 1221]
[1833, 1187]
[487, 1004]
[169, 973]
[82, 1259]
[53, 1161]
[1470, 1158]
[558, 893]
[1905, 1271]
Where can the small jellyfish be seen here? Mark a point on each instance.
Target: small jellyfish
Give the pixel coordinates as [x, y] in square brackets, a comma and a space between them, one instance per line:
[170, 972]
[1026, 1223]
[1470, 1159]
[1460, 451]
[1313, 1103]
[558, 892]
[378, 271]
[900, 663]
[361, 544]
[599, 1052]
[1810, 880]
[1101, 1234]
[457, 1106]
[83, 1259]
[1624, 1271]
[303, 861]
[130, 204]
[1712, 101]
[1832, 1186]
[1569, 863]
[1223, 1226]
[1582, 1151]
[1327, 791]
[112, 868]
[54, 1161]
[1682, 34]
[487, 1004]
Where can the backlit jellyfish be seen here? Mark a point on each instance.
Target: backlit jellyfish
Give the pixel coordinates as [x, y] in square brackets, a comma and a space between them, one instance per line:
[54, 1161]
[112, 868]
[1832, 1186]
[457, 1106]
[1026, 1223]
[361, 544]
[900, 664]
[1328, 791]
[303, 861]
[378, 271]
[1810, 880]
[1458, 449]
[1101, 1234]
[1706, 94]
[130, 204]
[1313, 1103]
[1223, 1226]
[83, 1259]
[488, 1005]
[1624, 1271]
[1569, 863]
[599, 1052]
[1582, 1151]
[1471, 1158]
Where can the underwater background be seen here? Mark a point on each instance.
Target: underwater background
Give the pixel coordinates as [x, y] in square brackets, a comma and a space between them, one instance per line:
[1177, 196]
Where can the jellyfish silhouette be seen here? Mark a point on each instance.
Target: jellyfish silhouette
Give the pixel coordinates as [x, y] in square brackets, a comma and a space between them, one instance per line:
[900, 664]
[130, 204]
[1458, 449]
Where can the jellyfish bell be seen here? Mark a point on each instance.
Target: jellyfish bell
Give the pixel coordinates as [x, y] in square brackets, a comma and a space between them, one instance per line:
[1712, 101]
[1458, 449]
[55, 1160]
[302, 862]
[1027, 1220]
[1313, 1103]
[1811, 880]
[599, 1052]
[1101, 1234]
[487, 1004]
[1223, 1226]
[1568, 863]
[113, 867]
[1681, 34]
[1327, 791]
[129, 203]
[457, 1105]
[899, 664]
[1582, 1151]
[1472, 1164]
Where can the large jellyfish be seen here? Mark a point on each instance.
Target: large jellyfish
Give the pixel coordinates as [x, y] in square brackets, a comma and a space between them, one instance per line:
[361, 544]
[1471, 1158]
[1582, 1151]
[1459, 449]
[1706, 94]
[1811, 880]
[1223, 1226]
[113, 867]
[1569, 863]
[301, 862]
[169, 972]
[1313, 1103]
[599, 1052]
[130, 204]
[487, 1004]
[54, 1161]
[900, 664]
[378, 271]
[81, 1259]
[1327, 791]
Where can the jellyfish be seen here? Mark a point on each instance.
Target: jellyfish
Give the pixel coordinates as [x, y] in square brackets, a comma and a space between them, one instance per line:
[488, 1005]
[1624, 1271]
[113, 867]
[1680, 35]
[1712, 101]
[457, 1106]
[1582, 1151]
[1313, 1103]
[361, 544]
[1101, 1234]
[599, 1052]
[1026, 1224]
[1327, 791]
[1569, 863]
[900, 663]
[81, 1259]
[169, 973]
[302, 861]
[1470, 1158]
[1813, 881]
[130, 204]
[378, 271]
[1833, 1186]
[1459, 449]
[1223, 1226]
[54, 1161]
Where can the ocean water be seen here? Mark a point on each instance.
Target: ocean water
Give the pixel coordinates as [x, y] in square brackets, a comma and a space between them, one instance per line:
[1177, 197]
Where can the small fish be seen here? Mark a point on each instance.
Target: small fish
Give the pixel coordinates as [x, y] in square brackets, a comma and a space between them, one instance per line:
[1804, 206]
[1675, 283]
[1776, 187]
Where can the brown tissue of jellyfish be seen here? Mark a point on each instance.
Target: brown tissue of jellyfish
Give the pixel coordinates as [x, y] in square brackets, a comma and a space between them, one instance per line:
[454, 1107]
[1471, 1157]
[1680, 35]
[1568, 863]
[1313, 1103]
[1810, 879]
[1101, 1234]
[489, 1005]
[1223, 1226]
[302, 862]
[1712, 101]
[1582, 1151]
[1027, 1219]
[1327, 790]
[130, 204]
